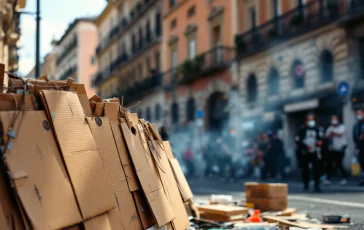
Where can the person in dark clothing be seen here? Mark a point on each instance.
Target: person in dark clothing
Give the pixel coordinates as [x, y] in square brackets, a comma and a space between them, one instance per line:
[276, 155]
[308, 142]
[188, 156]
[164, 134]
[358, 136]
[209, 156]
[263, 148]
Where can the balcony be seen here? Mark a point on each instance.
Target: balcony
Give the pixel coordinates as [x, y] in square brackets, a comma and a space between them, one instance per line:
[69, 48]
[214, 60]
[355, 13]
[140, 89]
[294, 23]
[125, 24]
[68, 73]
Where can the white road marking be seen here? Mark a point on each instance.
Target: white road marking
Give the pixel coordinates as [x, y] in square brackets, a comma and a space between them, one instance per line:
[326, 201]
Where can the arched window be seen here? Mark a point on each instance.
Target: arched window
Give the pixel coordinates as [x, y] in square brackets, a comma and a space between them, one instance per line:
[273, 81]
[158, 112]
[326, 66]
[158, 24]
[149, 114]
[298, 74]
[191, 109]
[175, 113]
[252, 88]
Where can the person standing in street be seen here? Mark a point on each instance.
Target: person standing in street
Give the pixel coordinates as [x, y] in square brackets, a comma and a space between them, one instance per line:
[358, 136]
[276, 151]
[188, 156]
[266, 164]
[308, 142]
[230, 149]
[337, 145]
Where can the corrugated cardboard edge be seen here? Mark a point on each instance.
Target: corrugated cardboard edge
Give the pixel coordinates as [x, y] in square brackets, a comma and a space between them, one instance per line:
[100, 222]
[168, 149]
[183, 185]
[145, 213]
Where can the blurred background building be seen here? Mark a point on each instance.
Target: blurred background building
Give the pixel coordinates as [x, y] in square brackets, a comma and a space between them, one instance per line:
[10, 33]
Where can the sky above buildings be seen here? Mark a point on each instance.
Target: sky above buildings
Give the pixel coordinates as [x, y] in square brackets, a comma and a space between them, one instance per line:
[56, 16]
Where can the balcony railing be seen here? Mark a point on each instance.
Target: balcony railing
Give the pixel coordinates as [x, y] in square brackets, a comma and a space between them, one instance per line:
[214, 60]
[68, 73]
[69, 48]
[125, 23]
[301, 20]
[141, 88]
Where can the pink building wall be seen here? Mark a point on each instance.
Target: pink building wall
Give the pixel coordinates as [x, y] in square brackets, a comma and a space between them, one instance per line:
[87, 43]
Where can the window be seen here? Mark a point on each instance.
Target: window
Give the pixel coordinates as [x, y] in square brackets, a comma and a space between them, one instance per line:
[172, 3]
[253, 16]
[93, 60]
[133, 44]
[157, 62]
[191, 11]
[252, 87]
[158, 24]
[298, 74]
[140, 37]
[148, 36]
[191, 109]
[326, 66]
[192, 49]
[158, 112]
[173, 24]
[149, 114]
[273, 82]
[174, 58]
[275, 8]
[175, 113]
[361, 50]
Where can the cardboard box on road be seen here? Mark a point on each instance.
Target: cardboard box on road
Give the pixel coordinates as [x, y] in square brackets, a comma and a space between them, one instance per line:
[38, 173]
[256, 190]
[80, 153]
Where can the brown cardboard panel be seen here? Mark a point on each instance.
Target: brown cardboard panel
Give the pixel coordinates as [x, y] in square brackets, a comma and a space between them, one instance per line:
[148, 176]
[181, 222]
[112, 111]
[99, 109]
[114, 171]
[85, 104]
[35, 85]
[124, 155]
[2, 76]
[144, 211]
[10, 101]
[269, 204]
[266, 190]
[78, 88]
[168, 148]
[115, 220]
[3, 223]
[37, 169]
[100, 222]
[80, 154]
[222, 218]
[226, 210]
[8, 204]
[132, 118]
[181, 179]
[74, 227]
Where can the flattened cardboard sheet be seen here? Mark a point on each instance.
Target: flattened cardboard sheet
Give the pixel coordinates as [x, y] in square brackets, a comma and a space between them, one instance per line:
[144, 211]
[115, 220]
[114, 171]
[9, 101]
[183, 186]
[100, 222]
[38, 172]
[168, 148]
[148, 176]
[225, 210]
[181, 222]
[8, 204]
[3, 224]
[124, 155]
[80, 154]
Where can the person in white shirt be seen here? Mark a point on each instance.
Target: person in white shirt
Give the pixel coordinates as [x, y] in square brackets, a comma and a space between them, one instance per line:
[337, 146]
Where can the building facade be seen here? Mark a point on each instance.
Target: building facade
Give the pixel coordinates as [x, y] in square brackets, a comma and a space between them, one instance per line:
[75, 53]
[291, 57]
[10, 34]
[129, 55]
[198, 48]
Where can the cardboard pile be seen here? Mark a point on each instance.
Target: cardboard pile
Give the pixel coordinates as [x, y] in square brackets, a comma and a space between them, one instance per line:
[70, 162]
[266, 197]
[223, 213]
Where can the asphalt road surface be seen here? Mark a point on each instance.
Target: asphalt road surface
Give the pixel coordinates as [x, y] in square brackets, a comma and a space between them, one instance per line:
[334, 199]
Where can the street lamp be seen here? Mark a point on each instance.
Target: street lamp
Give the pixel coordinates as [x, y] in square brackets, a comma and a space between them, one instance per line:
[37, 37]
